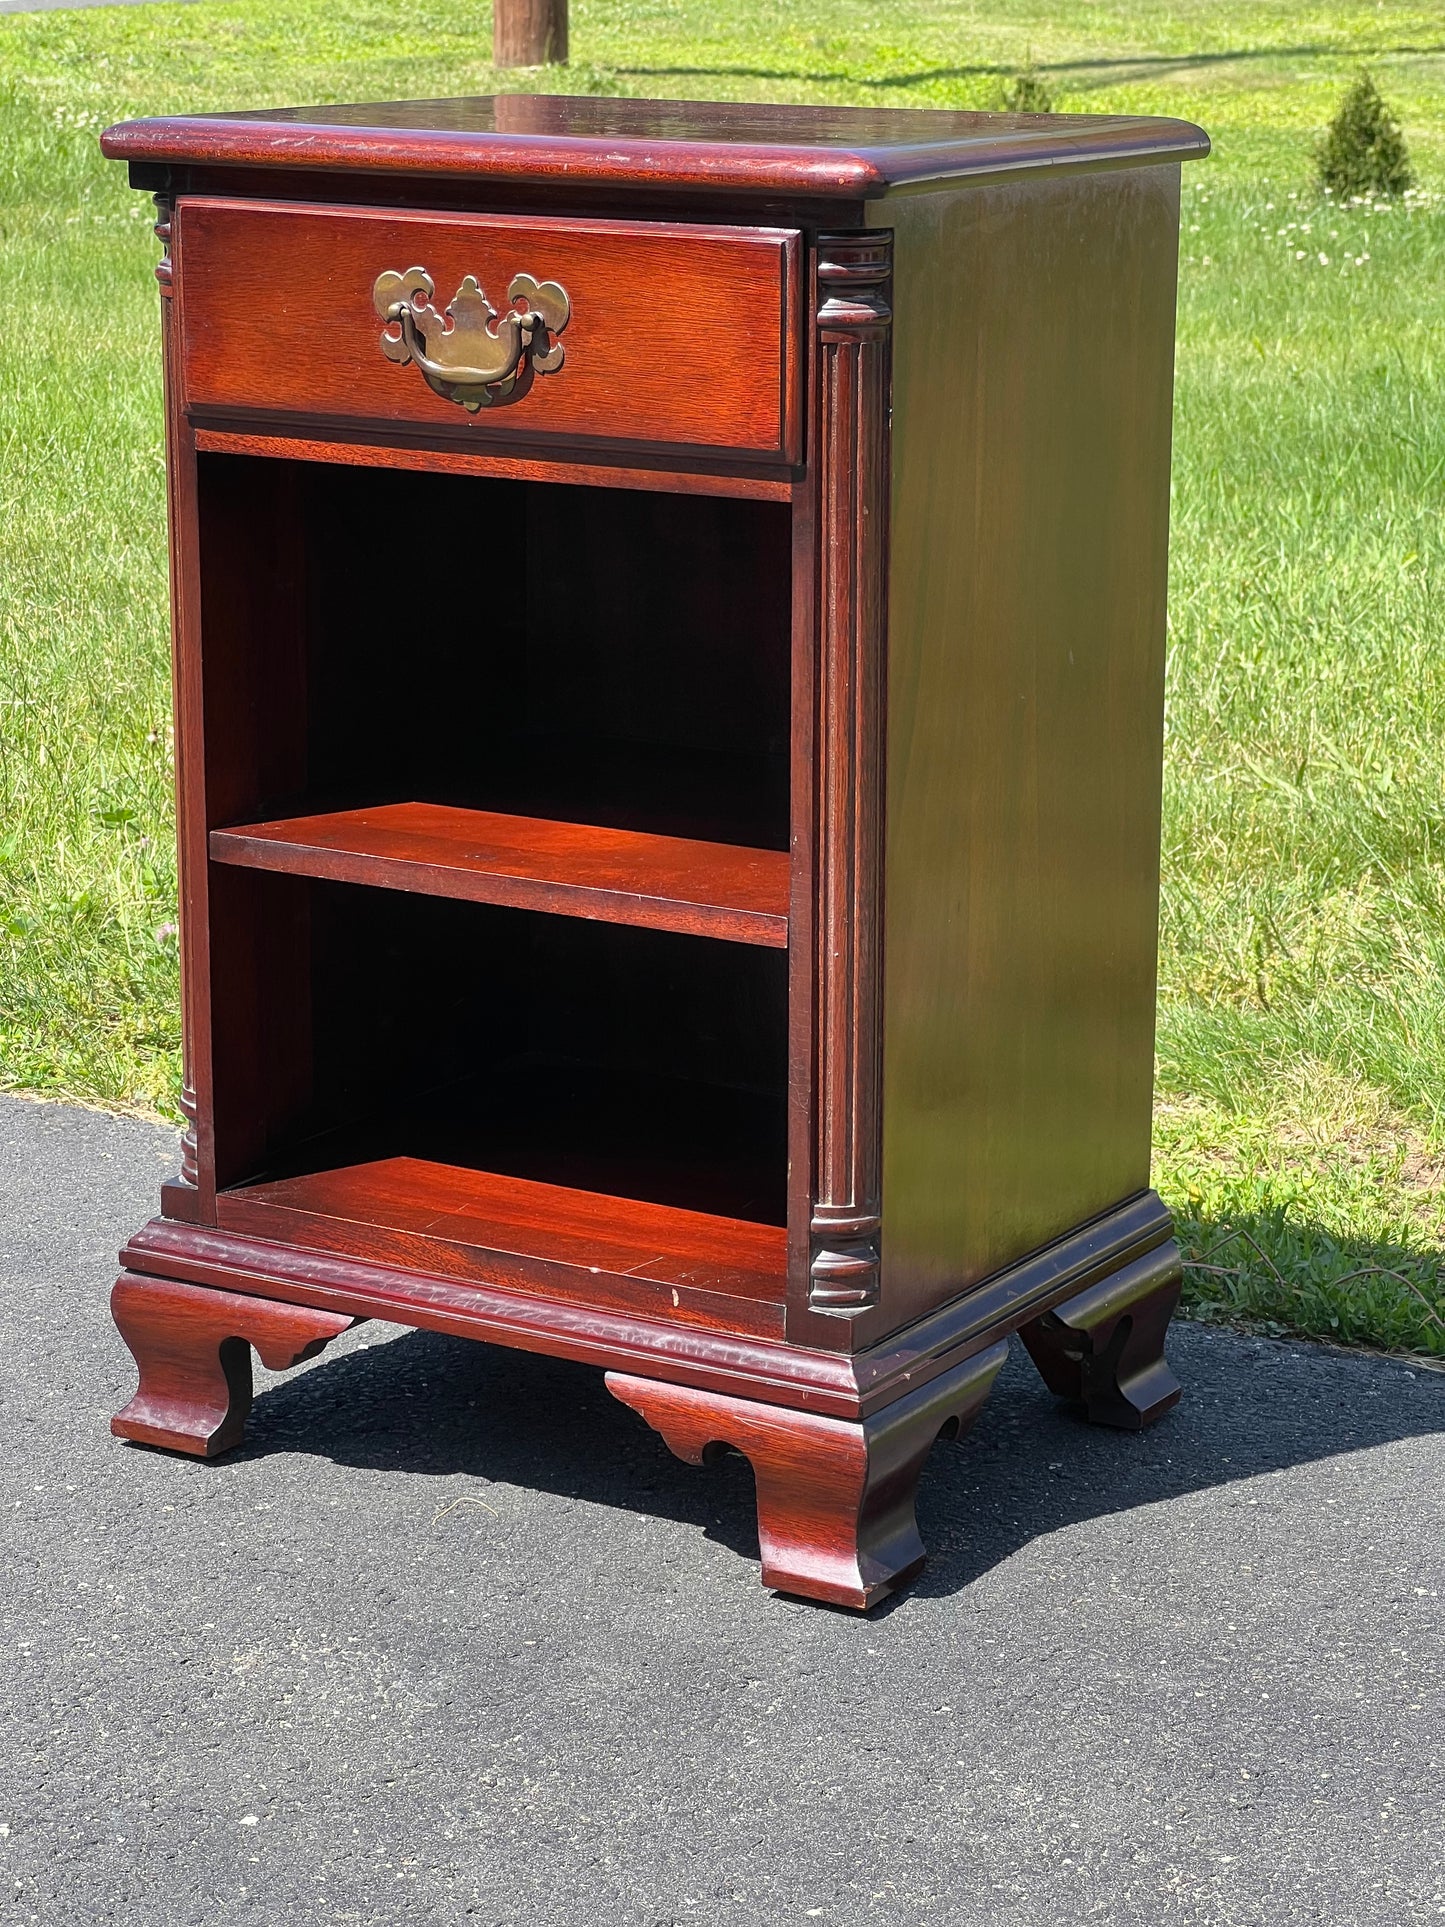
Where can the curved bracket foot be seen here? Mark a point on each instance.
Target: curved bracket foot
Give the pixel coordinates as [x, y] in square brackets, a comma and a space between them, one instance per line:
[192, 1346]
[1106, 1347]
[835, 1496]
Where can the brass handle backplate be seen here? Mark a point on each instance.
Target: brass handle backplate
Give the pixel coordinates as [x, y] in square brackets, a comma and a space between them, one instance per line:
[466, 351]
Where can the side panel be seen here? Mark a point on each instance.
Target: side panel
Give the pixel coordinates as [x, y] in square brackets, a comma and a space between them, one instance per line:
[1032, 385]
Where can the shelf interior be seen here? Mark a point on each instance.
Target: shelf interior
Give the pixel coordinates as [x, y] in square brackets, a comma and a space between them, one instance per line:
[366, 1024]
[621, 876]
[490, 768]
[441, 1217]
[590, 655]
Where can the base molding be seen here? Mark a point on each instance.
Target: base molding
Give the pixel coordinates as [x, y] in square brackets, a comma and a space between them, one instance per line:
[836, 1457]
[1135, 1234]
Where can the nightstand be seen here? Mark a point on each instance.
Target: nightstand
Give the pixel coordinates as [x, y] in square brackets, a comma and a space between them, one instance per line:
[669, 633]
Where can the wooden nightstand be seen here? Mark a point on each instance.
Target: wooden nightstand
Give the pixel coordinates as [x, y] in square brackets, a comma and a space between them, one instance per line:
[669, 626]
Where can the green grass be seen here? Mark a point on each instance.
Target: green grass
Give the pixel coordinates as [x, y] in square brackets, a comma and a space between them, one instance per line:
[1301, 1126]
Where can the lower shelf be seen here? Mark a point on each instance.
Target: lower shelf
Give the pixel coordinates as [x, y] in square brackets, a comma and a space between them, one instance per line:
[521, 1235]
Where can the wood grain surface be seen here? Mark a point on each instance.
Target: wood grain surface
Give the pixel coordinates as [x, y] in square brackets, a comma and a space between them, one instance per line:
[853, 320]
[836, 1517]
[890, 730]
[522, 1235]
[682, 335]
[358, 448]
[745, 1365]
[704, 147]
[192, 1347]
[531, 863]
[1032, 369]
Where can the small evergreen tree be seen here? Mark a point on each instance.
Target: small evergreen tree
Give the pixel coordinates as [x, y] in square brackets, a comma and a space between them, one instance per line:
[1026, 93]
[1363, 151]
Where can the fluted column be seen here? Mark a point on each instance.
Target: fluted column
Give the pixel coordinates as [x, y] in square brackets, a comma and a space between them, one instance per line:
[853, 344]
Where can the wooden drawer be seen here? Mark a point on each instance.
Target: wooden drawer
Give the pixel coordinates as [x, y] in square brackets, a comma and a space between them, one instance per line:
[674, 334]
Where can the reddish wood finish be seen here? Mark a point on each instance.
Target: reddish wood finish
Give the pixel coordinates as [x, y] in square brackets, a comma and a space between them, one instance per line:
[572, 869]
[193, 1351]
[835, 1500]
[1106, 1346]
[664, 477]
[684, 335]
[1032, 356]
[853, 458]
[802, 667]
[845, 1385]
[244, 656]
[191, 1194]
[701, 147]
[183, 1196]
[524, 1236]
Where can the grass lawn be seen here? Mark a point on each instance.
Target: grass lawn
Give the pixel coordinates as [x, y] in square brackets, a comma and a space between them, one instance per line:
[1301, 1121]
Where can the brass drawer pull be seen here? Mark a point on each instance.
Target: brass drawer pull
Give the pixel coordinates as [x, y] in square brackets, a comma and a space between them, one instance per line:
[466, 351]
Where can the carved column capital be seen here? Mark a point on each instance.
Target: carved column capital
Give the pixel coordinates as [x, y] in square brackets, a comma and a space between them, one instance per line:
[853, 321]
[855, 273]
[163, 235]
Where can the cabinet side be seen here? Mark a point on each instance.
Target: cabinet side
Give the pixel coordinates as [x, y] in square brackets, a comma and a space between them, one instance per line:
[1032, 393]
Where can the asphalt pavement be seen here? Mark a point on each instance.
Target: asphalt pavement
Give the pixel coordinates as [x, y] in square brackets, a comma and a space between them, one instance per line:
[453, 1639]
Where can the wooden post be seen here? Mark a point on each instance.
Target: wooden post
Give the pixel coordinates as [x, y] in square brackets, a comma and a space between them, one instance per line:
[529, 33]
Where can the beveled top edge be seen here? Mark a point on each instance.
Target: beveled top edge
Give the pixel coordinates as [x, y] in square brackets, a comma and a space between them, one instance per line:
[843, 152]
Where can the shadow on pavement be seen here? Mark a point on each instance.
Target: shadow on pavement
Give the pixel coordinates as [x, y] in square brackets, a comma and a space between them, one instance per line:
[443, 1406]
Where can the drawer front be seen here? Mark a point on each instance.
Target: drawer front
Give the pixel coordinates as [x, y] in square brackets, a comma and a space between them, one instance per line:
[669, 333]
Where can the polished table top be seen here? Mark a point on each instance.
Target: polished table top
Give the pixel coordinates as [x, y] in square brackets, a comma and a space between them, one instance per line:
[844, 152]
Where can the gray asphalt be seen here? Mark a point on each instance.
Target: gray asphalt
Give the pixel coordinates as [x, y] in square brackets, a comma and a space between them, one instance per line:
[452, 1639]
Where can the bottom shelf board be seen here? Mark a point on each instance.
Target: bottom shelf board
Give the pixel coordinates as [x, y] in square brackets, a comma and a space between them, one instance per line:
[521, 1235]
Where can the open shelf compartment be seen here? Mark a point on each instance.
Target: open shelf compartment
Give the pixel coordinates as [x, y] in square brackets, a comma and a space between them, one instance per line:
[497, 805]
[590, 656]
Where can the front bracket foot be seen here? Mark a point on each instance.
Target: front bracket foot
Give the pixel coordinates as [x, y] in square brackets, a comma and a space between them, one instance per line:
[192, 1346]
[835, 1496]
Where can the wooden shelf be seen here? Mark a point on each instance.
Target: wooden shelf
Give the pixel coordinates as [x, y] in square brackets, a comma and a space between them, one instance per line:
[531, 863]
[521, 1235]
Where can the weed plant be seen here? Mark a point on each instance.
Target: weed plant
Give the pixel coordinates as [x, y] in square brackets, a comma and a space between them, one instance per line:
[1363, 151]
[1027, 92]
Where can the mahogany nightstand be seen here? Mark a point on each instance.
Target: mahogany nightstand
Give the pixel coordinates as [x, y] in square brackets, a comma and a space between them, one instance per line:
[669, 625]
